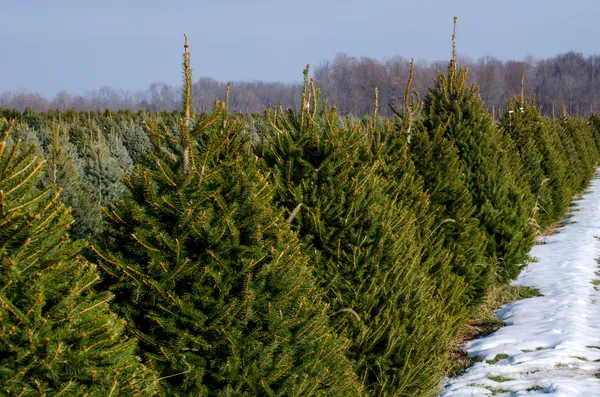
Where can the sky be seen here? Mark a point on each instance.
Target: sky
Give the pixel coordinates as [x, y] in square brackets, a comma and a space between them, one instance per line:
[79, 45]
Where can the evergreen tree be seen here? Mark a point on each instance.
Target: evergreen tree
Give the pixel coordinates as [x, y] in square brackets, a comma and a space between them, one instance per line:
[57, 335]
[136, 140]
[209, 275]
[524, 125]
[119, 152]
[580, 147]
[102, 170]
[24, 132]
[367, 248]
[65, 170]
[595, 123]
[494, 177]
[555, 164]
[440, 174]
[438, 162]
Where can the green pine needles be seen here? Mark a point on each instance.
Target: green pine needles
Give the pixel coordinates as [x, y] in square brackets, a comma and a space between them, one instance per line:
[504, 203]
[302, 254]
[57, 335]
[446, 210]
[367, 247]
[209, 276]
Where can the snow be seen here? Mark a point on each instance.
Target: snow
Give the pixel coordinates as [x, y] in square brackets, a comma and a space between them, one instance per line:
[551, 342]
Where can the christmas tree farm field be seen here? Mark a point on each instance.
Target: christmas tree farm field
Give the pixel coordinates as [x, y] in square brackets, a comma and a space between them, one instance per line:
[299, 253]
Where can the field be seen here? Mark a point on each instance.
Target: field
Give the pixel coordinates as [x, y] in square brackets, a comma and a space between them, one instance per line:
[301, 252]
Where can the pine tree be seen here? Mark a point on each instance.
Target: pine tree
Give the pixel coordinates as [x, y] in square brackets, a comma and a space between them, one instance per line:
[65, 170]
[580, 147]
[136, 140]
[595, 123]
[209, 275]
[119, 152]
[26, 133]
[57, 335]
[555, 164]
[367, 248]
[495, 179]
[450, 209]
[524, 125]
[438, 162]
[102, 170]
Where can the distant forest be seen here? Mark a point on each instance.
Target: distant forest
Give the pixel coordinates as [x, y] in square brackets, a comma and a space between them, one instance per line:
[348, 83]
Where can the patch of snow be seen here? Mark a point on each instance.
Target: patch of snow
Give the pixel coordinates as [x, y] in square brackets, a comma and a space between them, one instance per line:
[551, 343]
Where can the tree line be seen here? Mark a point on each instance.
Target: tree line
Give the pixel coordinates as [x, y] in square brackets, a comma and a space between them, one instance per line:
[348, 82]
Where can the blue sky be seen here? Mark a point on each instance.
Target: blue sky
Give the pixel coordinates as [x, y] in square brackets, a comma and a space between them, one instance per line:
[47, 45]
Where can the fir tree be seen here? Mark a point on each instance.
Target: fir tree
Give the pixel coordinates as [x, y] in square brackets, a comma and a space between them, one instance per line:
[438, 162]
[524, 125]
[555, 165]
[367, 248]
[580, 147]
[450, 208]
[209, 275]
[102, 170]
[494, 177]
[136, 140]
[595, 123]
[24, 132]
[57, 335]
[65, 170]
[119, 152]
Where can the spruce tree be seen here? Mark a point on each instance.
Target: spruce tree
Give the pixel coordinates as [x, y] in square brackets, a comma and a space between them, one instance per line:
[441, 176]
[65, 170]
[524, 125]
[209, 275]
[135, 139]
[102, 170]
[57, 335]
[367, 247]
[580, 147]
[595, 124]
[437, 160]
[26, 133]
[555, 164]
[119, 152]
[494, 177]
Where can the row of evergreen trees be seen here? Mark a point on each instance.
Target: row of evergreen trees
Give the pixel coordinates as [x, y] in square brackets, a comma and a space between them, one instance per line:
[88, 154]
[329, 257]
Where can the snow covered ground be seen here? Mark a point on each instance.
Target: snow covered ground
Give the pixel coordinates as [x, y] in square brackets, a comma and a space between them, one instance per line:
[550, 344]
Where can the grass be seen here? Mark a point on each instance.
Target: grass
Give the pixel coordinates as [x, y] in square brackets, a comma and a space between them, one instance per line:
[483, 322]
[580, 358]
[550, 231]
[494, 391]
[499, 391]
[533, 388]
[499, 379]
[596, 282]
[497, 358]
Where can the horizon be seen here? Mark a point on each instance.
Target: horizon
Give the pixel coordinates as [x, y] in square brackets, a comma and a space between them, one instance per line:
[78, 48]
[419, 62]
